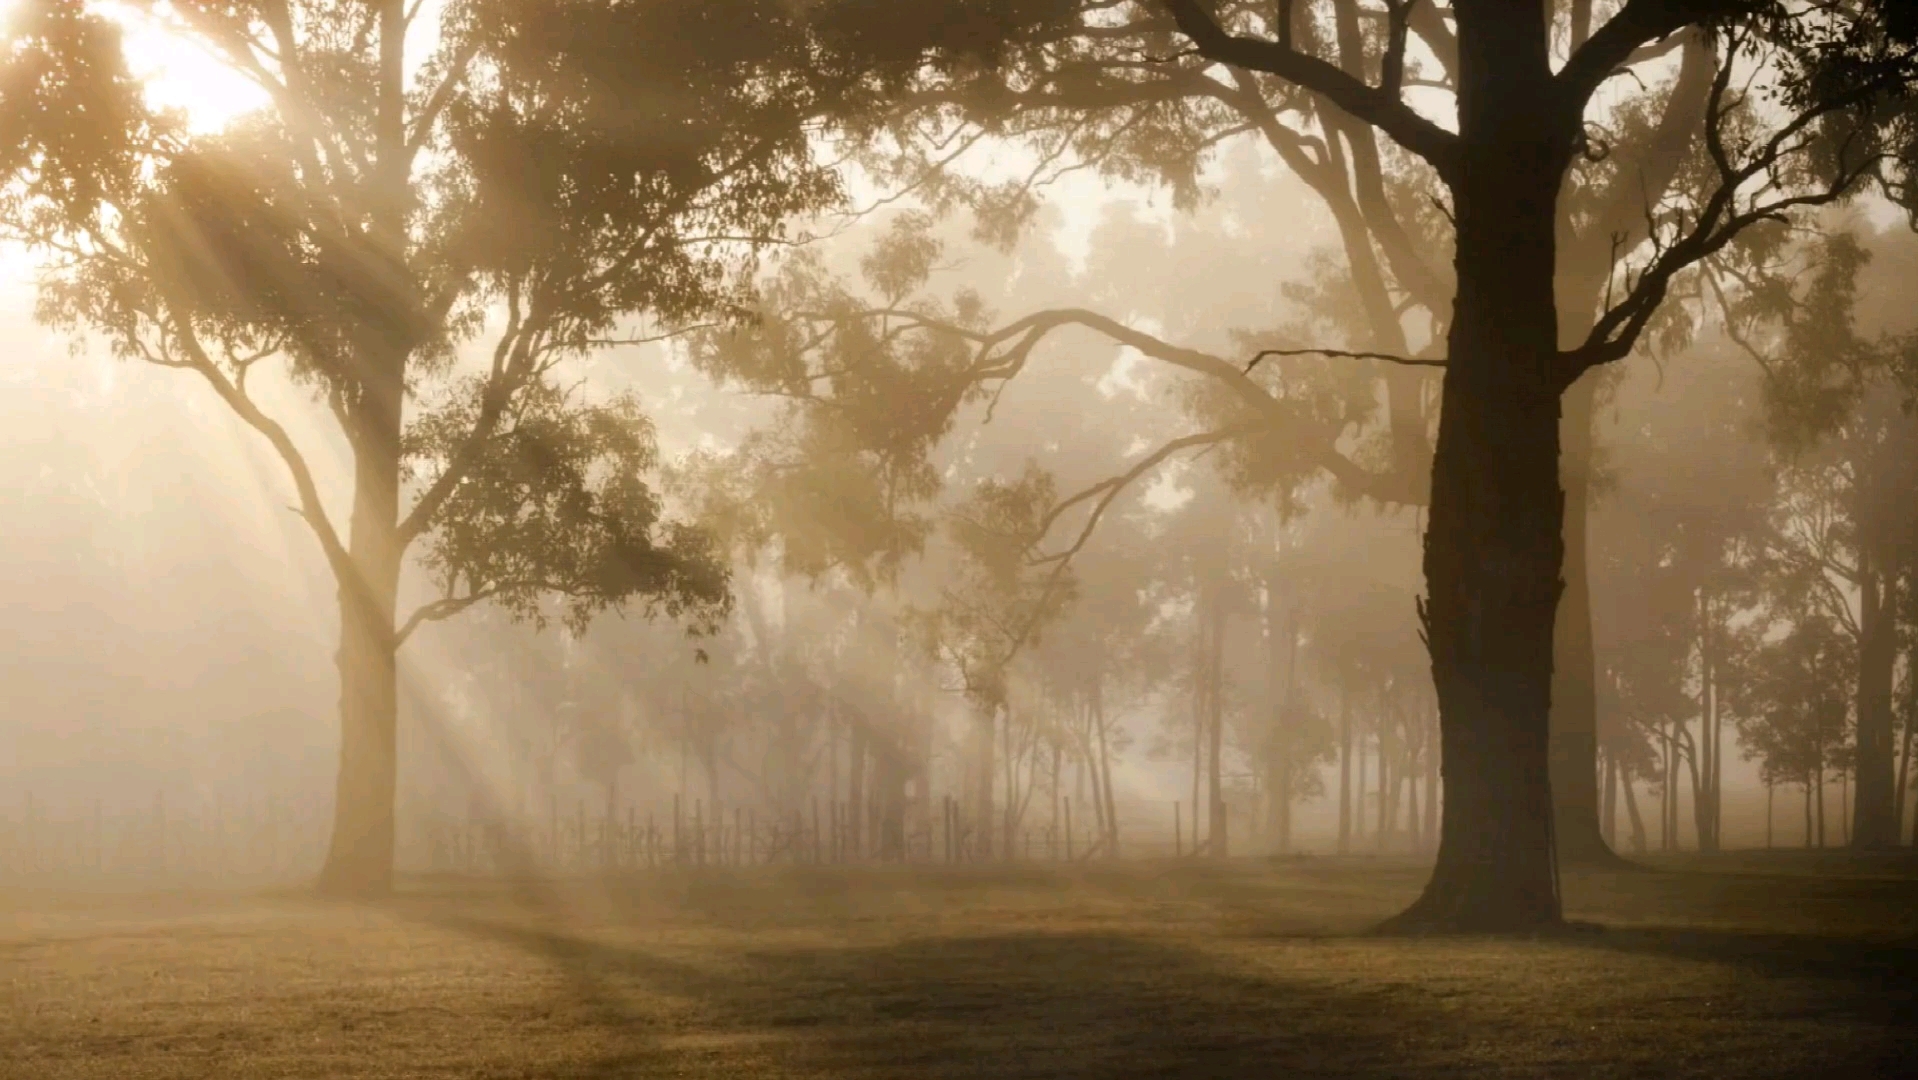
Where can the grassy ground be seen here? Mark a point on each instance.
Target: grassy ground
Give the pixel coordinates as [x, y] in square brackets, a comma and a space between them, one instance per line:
[1743, 966]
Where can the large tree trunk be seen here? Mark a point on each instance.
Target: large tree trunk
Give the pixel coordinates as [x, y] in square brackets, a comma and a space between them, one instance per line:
[359, 859]
[1575, 795]
[1875, 821]
[1494, 545]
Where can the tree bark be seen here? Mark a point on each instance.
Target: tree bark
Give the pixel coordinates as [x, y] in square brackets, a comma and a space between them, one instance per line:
[1575, 796]
[1494, 545]
[359, 859]
[1875, 821]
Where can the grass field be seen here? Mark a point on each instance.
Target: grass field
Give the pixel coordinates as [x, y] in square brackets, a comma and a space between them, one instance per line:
[1742, 966]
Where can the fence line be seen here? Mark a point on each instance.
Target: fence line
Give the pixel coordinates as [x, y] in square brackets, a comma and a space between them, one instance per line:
[277, 839]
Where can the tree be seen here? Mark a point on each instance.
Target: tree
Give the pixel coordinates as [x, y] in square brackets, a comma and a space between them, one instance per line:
[521, 190]
[1833, 80]
[1844, 528]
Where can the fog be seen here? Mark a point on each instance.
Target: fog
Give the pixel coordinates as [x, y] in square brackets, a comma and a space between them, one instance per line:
[586, 529]
[169, 620]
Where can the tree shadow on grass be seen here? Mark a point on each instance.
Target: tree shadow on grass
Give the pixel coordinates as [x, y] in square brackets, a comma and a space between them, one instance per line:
[1012, 1005]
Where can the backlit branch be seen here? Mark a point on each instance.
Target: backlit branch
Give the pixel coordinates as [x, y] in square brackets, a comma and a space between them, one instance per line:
[1372, 104]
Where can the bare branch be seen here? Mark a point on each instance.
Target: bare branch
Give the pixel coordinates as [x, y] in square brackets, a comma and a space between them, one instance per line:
[1371, 104]
[1408, 361]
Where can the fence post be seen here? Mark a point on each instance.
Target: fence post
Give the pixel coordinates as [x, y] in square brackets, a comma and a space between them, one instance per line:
[1178, 833]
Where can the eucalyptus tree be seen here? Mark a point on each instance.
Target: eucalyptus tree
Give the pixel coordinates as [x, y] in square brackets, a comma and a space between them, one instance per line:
[1088, 82]
[419, 230]
[1833, 80]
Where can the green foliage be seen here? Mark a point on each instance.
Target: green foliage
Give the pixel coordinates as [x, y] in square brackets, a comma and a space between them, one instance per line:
[559, 502]
[72, 120]
[1794, 701]
[516, 182]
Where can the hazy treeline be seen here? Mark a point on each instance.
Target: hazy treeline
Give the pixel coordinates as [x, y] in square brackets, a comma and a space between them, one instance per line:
[977, 416]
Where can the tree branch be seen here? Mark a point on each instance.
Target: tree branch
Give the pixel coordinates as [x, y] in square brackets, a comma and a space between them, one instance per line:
[1408, 361]
[1614, 45]
[1373, 105]
[443, 608]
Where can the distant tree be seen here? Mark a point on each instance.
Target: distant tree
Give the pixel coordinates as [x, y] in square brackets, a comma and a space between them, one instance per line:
[1798, 717]
[1844, 532]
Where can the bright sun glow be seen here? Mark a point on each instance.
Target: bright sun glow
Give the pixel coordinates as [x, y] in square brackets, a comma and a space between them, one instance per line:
[180, 74]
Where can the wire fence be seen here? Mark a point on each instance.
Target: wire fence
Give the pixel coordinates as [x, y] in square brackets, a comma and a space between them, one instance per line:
[267, 839]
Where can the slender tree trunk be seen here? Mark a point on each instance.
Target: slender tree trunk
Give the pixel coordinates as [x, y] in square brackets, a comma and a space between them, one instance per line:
[984, 723]
[1819, 781]
[1058, 751]
[1704, 763]
[1383, 824]
[1430, 841]
[1874, 815]
[1345, 766]
[856, 788]
[1608, 815]
[1631, 813]
[1216, 839]
[1904, 774]
[1111, 815]
[1494, 545]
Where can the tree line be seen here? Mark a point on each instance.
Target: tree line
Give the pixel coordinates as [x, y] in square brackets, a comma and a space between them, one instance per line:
[421, 248]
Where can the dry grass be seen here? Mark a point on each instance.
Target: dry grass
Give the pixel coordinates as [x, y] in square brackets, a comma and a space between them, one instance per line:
[1740, 967]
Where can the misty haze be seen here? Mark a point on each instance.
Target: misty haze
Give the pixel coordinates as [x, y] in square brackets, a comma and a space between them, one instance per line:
[958, 538]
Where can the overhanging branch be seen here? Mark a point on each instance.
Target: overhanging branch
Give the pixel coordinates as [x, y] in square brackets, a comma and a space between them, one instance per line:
[1372, 104]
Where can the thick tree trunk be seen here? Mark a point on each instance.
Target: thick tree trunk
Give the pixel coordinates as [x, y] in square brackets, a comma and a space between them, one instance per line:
[1494, 544]
[1575, 795]
[359, 859]
[1875, 821]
